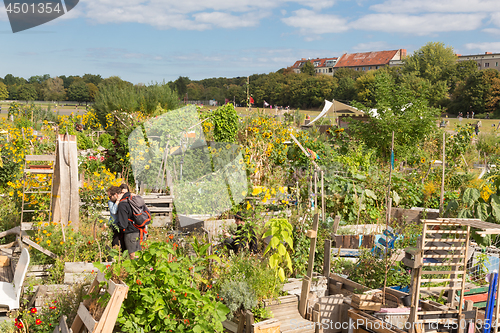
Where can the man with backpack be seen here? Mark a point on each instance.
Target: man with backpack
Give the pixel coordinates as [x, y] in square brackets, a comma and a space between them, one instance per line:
[132, 218]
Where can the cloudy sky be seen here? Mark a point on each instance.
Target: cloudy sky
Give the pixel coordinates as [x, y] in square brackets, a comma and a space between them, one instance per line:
[144, 41]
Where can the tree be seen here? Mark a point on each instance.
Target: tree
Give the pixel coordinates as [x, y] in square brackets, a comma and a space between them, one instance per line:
[38, 78]
[27, 92]
[308, 68]
[432, 62]
[180, 85]
[92, 91]
[398, 110]
[54, 90]
[4, 93]
[78, 91]
[460, 72]
[493, 100]
[10, 80]
[91, 78]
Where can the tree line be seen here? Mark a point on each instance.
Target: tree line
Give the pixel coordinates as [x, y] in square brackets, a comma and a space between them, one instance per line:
[431, 72]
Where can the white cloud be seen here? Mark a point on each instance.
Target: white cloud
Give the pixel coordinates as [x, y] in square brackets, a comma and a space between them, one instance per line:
[226, 20]
[312, 24]
[189, 14]
[484, 47]
[419, 25]
[492, 31]
[436, 6]
[371, 46]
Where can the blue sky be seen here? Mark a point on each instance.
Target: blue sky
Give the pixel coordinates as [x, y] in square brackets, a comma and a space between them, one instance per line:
[151, 41]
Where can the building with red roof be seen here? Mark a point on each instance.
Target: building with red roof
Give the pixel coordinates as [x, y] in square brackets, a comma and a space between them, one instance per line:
[370, 60]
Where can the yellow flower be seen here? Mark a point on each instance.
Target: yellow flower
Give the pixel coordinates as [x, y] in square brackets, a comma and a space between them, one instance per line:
[249, 206]
[45, 231]
[49, 241]
[422, 160]
[146, 167]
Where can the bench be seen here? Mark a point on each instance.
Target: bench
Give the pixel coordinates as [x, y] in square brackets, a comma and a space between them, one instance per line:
[10, 293]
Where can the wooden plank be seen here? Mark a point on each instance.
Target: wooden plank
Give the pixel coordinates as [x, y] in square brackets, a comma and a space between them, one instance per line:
[443, 256]
[441, 288]
[439, 280]
[49, 158]
[39, 171]
[230, 326]
[311, 234]
[437, 312]
[306, 286]
[449, 248]
[328, 257]
[451, 232]
[446, 240]
[440, 272]
[39, 248]
[86, 318]
[241, 323]
[336, 223]
[110, 314]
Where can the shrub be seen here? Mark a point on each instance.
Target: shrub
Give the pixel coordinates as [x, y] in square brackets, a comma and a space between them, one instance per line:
[164, 293]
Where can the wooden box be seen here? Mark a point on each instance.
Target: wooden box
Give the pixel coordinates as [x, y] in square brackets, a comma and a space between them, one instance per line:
[4, 261]
[267, 326]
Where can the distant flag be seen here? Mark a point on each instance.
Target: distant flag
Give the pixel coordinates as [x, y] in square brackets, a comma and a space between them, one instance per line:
[251, 100]
[313, 154]
[266, 104]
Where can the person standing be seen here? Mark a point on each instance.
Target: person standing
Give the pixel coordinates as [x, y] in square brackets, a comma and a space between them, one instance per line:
[131, 235]
[244, 236]
[114, 195]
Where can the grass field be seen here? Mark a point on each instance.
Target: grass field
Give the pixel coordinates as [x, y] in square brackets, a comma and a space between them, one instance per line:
[487, 125]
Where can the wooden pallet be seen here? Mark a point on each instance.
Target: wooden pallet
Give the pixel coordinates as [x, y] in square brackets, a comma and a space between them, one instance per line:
[448, 242]
[107, 322]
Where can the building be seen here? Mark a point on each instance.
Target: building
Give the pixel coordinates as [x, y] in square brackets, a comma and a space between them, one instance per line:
[321, 66]
[370, 60]
[484, 61]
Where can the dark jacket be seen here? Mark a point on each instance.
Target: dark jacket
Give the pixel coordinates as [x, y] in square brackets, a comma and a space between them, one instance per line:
[243, 235]
[125, 215]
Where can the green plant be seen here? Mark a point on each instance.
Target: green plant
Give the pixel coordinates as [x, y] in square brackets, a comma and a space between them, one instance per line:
[163, 293]
[225, 120]
[261, 313]
[281, 232]
[238, 296]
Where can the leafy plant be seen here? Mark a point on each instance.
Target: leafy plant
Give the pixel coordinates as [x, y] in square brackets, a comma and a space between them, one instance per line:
[238, 296]
[163, 293]
[281, 232]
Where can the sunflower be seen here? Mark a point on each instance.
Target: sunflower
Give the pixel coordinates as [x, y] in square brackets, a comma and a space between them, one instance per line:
[422, 160]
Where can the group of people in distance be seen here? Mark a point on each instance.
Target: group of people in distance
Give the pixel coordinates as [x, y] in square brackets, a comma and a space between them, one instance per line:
[127, 236]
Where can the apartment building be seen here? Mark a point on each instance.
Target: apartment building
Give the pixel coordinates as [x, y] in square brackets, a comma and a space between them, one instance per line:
[321, 66]
[484, 61]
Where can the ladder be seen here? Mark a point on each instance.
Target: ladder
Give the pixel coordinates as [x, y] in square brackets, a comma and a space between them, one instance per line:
[37, 196]
[440, 259]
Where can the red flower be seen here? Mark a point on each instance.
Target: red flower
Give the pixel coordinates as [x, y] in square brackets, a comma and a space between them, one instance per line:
[171, 236]
[19, 325]
[138, 282]
[33, 310]
[52, 307]
[102, 158]
[38, 321]
[185, 294]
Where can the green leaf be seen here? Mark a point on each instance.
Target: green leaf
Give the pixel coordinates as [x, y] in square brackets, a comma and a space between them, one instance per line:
[281, 249]
[471, 195]
[370, 194]
[281, 274]
[482, 211]
[214, 257]
[495, 207]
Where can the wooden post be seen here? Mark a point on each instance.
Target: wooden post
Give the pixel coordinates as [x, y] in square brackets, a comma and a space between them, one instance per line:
[323, 214]
[441, 198]
[328, 256]
[66, 200]
[390, 179]
[315, 189]
[306, 282]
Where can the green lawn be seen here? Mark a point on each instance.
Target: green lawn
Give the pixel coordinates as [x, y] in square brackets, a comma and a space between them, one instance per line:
[486, 124]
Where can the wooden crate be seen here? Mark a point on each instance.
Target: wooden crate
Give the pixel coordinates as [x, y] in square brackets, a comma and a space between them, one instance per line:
[267, 326]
